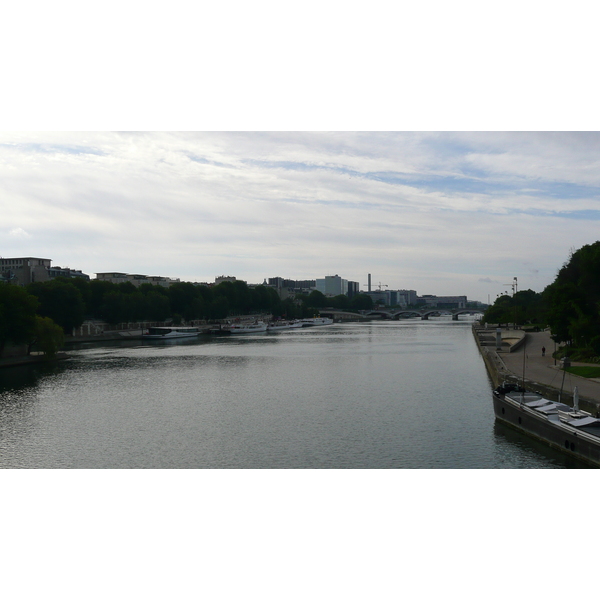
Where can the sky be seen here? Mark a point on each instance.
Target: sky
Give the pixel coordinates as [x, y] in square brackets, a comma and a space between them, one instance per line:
[444, 213]
[442, 148]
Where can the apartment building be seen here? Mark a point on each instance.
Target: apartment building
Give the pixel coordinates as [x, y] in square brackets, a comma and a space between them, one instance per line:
[136, 279]
[443, 301]
[332, 285]
[66, 272]
[28, 269]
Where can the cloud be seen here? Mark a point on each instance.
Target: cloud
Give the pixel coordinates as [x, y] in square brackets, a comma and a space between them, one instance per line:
[18, 233]
[454, 213]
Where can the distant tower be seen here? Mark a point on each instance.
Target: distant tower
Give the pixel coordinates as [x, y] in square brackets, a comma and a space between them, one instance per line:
[369, 284]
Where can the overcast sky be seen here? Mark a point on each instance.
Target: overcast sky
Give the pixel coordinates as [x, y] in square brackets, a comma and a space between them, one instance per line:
[440, 213]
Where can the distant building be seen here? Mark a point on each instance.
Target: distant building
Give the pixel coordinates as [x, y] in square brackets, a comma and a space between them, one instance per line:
[410, 297]
[305, 284]
[112, 277]
[388, 297]
[353, 289]
[379, 297]
[278, 282]
[24, 270]
[135, 279]
[293, 284]
[66, 272]
[288, 288]
[443, 301]
[332, 285]
[395, 298]
[223, 278]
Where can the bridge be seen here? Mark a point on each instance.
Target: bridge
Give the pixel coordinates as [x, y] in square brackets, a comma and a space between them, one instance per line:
[424, 314]
[395, 314]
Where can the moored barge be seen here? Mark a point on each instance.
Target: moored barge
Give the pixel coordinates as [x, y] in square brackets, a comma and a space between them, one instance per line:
[563, 427]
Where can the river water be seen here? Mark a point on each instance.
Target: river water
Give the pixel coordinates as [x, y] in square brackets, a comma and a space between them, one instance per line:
[380, 395]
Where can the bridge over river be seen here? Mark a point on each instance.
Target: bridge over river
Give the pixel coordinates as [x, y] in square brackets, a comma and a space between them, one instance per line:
[399, 313]
[424, 314]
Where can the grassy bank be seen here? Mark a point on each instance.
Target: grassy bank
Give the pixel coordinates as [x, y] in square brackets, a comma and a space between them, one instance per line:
[589, 371]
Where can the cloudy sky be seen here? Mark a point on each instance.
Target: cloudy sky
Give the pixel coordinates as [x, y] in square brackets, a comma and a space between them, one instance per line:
[441, 213]
[287, 162]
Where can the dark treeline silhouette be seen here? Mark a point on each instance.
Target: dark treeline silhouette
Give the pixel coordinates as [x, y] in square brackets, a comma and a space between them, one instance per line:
[68, 302]
[573, 300]
[42, 312]
[570, 305]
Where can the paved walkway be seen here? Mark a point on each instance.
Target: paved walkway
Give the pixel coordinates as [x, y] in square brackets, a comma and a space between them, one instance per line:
[542, 369]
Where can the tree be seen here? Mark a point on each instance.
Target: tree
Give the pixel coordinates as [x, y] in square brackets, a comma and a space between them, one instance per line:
[219, 308]
[341, 301]
[524, 307]
[17, 315]
[266, 299]
[98, 289]
[316, 299]
[61, 301]
[83, 285]
[573, 299]
[157, 306]
[361, 302]
[113, 309]
[48, 336]
[182, 296]
[290, 309]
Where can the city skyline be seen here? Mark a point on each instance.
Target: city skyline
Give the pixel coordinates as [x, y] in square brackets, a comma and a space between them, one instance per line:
[13, 269]
[442, 213]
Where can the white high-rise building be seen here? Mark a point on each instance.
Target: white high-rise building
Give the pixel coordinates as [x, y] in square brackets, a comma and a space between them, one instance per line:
[332, 285]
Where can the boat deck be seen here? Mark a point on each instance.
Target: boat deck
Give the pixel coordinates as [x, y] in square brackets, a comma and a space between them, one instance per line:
[552, 411]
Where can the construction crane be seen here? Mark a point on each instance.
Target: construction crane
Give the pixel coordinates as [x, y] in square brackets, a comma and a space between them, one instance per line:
[380, 285]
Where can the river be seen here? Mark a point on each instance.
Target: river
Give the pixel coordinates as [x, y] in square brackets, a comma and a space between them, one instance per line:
[379, 395]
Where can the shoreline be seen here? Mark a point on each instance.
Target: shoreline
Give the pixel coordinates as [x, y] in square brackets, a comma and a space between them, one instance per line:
[523, 363]
[32, 359]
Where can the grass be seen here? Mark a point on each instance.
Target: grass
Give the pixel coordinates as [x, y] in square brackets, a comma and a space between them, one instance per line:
[585, 371]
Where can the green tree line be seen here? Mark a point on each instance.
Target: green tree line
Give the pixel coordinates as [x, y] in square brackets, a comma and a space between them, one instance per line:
[70, 301]
[28, 313]
[20, 323]
[570, 305]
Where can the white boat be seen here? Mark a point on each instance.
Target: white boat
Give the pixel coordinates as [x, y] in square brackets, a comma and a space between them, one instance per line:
[316, 321]
[281, 325]
[167, 333]
[237, 328]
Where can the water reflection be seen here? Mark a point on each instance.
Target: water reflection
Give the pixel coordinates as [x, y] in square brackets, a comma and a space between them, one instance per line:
[522, 451]
[408, 394]
[13, 378]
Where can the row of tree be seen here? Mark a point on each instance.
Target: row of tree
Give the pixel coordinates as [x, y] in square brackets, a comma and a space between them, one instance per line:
[68, 302]
[570, 305]
[21, 324]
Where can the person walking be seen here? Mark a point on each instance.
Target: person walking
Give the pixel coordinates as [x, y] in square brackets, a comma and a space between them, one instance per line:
[543, 350]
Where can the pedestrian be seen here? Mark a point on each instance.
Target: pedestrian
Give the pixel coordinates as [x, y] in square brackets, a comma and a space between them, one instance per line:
[543, 351]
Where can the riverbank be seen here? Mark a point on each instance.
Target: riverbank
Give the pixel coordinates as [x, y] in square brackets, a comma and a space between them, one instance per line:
[31, 359]
[524, 363]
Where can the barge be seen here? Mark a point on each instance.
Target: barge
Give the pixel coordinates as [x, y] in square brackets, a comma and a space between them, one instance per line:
[573, 431]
